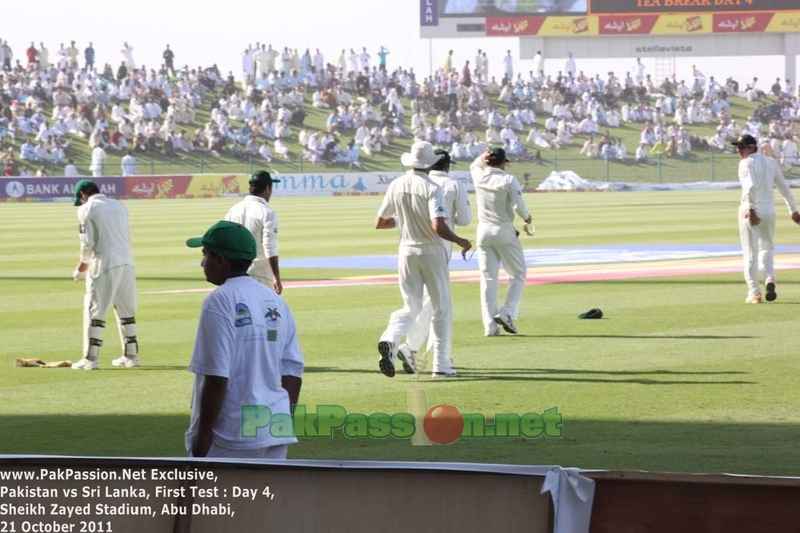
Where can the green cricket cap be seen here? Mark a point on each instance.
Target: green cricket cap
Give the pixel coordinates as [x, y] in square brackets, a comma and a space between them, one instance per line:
[745, 140]
[262, 177]
[80, 187]
[228, 239]
[497, 156]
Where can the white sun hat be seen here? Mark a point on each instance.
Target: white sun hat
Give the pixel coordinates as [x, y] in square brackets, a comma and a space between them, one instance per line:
[420, 156]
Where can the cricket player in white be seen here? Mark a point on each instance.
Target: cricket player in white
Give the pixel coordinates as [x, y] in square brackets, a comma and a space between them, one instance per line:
[498, 196]
[107, 265]
[758, 176]
[246, 353]
[457, 213]
[255, 213]
[418, 204]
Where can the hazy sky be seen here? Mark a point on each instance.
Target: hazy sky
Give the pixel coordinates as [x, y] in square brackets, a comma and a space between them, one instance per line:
[219, 33]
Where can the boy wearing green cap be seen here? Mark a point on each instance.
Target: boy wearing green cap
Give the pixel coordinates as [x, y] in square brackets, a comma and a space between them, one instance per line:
[246, 353]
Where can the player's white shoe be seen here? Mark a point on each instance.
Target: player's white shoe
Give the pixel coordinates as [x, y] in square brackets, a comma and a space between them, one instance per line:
[445, 374]
[408, 357]
[86, 364]
[126, 362]
[386, 364]
[753, 299]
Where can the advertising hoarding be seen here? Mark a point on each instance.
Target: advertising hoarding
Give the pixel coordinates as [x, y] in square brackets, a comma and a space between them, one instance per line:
[571, 18]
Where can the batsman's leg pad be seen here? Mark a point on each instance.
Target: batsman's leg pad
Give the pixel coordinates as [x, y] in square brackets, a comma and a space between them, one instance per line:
[96, 328]
[128, 328]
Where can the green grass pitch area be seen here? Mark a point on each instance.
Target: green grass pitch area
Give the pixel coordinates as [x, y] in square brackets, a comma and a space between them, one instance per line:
[680, 375]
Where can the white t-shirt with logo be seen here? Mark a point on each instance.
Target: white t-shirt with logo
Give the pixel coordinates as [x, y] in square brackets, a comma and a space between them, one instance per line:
[248, 335]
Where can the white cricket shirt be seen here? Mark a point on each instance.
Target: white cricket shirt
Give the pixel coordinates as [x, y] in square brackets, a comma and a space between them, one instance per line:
[104, 232]
[498, 194]
[254, 213]
[759, 175]
[415, 200]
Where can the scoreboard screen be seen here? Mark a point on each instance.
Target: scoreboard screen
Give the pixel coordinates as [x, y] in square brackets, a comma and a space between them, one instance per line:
[495, 8]
[657, 7]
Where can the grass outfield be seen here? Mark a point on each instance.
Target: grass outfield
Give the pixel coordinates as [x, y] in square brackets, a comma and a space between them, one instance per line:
[681, 375]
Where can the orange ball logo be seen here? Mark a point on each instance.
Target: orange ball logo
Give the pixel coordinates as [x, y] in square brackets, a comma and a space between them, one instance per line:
[443, 424]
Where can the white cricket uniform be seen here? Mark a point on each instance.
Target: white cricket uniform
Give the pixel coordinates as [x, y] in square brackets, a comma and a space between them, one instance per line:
[248, 335]
[459, 213]
[498, 196]
[128, 165]
[758, 175]
[111, 277]
[98, 161]
[256, 215]
[422, 261]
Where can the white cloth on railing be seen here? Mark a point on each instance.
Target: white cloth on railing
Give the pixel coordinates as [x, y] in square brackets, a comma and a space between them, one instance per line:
[573, 496]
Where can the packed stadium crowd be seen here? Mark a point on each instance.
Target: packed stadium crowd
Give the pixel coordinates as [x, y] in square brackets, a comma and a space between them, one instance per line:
[132, 108]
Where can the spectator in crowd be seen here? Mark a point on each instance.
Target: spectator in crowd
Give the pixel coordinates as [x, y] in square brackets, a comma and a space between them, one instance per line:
[382, 53]
[88, 56]
[169, 58]
[98, 161]
[641, 154]
[128, 164]
[70, 170]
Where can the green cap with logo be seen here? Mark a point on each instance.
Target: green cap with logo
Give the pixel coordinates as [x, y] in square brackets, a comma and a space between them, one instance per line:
[80, 187]
[228, 239]
[745, 140]
[497, 156]
[262, 177]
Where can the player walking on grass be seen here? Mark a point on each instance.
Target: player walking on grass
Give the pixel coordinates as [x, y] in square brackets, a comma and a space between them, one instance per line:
[418, 205]
[458, 213]
[255, 213]
[107, 265]
[498, 196]
[758, 176]
[246, 352]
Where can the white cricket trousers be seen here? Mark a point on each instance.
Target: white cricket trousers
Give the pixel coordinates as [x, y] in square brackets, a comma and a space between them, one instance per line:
[261, 272]
[758, 247]
[422, 268]
[499, 244]
[115, 286]
[421, 328]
